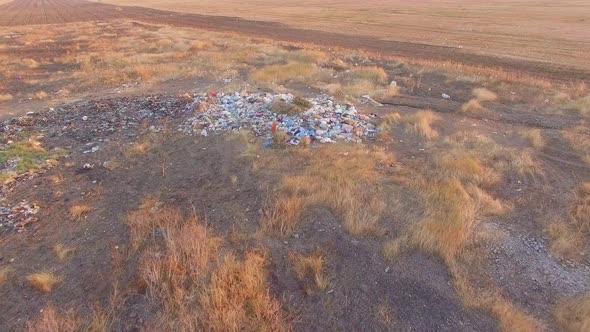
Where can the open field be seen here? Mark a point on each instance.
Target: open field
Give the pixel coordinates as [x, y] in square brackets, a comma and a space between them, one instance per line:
[23, 12]
[539, 30]
[158, 175]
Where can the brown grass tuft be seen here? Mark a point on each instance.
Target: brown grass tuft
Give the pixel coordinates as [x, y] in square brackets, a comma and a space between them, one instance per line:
[280, 139]
[52, 320]
[482, 94]
[421, 123]
[278, 74]
[138, 149]
[5, 97]
[534, 137]
[385, 315]
[4, 272]
[283, 214]
[579, 138]
[43, 281]
[566, 240]
[340, 177]
[40, 95]
[62, 252]
[238, 298]
[574, 315]
[79, 211]
[373, 74]
[57, 178]
[196, 287]
[472, 106]
[310, 271]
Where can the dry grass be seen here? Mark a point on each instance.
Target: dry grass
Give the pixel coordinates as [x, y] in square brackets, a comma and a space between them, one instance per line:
[39, 95]
[472, 106]
[510, 317]
[69, 321]
[138, 149]
[279, 74]
[581, 105]
[57, 178]
[308, 56]
[421, 123]
[579, 139]
[43, 281]
[310, 271]
[574, 315]
[238, 298]
[566, 241]
[496, 157]
[62, 252]
[342, 178]
[385, 314]
[376, 75]
[79, 211]
[4, 272]
[534, 137]
[5, 97]
[144, 220]
[52, 320]
[195, 285]
[482, 94]
[450, 221]
[283, 213]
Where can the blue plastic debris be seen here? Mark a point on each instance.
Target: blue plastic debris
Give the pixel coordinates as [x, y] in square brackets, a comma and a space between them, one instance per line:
[325, 121]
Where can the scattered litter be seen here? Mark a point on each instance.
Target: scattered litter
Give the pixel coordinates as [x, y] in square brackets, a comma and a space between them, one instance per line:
[320, 119]
[84, 118]
[446, 96]
[18, 217]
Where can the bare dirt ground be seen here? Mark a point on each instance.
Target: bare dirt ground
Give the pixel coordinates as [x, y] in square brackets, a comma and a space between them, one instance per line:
[22, 12]
[468, 210]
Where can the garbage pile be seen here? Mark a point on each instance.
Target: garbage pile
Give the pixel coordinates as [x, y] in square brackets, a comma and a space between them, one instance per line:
[317, 120]
[17, 217]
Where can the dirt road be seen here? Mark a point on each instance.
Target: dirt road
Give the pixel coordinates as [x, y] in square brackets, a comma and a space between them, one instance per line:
[25, 12]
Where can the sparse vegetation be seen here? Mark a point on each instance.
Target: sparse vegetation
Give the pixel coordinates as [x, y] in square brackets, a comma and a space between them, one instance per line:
[62, 252]
[482, 94]
[195, 284]
[52, 320]
[385, 315]
[574, 315]
[348, 186]
[460, 176]
[4, 272]
[377, 75]
[310, 271]
[278, 74]
[421, 123]
[4, 97]
[579, 138]
[534, 137]
[472, 106]
[27, 155]
[43, 281]
[79, 211]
